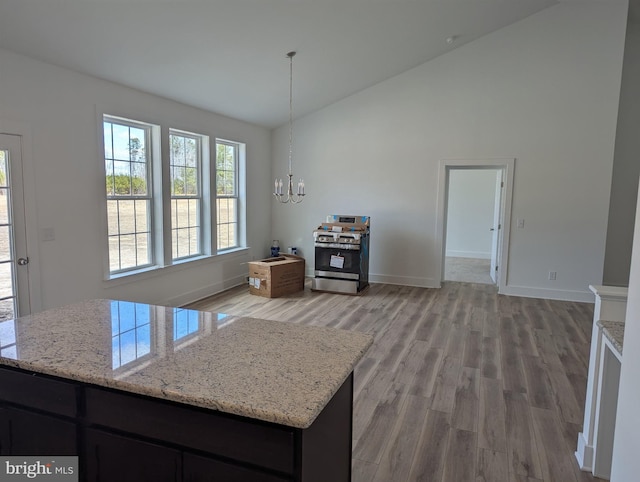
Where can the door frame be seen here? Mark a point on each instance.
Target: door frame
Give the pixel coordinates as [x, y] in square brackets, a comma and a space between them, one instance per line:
[23, 130]
[497, 225]
[507, 165]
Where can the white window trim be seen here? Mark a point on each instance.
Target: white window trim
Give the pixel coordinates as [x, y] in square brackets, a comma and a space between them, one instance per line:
[241, 196]
[155, 221]
[203, 186]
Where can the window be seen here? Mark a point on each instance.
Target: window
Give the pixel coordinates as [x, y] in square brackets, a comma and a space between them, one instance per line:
[227, 196]
[168, 201]
[186, 195]
[129, 194]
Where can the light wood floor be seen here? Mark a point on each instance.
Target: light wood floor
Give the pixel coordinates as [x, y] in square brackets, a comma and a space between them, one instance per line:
[468, 270]
[460, 384]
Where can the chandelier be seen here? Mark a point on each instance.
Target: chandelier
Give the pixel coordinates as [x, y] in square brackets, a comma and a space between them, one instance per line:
[289, 196]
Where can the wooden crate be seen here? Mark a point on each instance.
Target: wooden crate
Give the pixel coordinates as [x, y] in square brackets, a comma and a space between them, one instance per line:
[274, 277]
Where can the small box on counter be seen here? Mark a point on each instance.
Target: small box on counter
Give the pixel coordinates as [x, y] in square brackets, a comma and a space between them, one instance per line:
[274, 277]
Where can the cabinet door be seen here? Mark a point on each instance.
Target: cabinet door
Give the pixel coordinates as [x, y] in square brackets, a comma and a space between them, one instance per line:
[28, 433]
[203, 469]
[113, 458]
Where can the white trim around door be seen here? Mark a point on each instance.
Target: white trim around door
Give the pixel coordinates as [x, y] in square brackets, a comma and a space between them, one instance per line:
[507, 165]
[23, 131]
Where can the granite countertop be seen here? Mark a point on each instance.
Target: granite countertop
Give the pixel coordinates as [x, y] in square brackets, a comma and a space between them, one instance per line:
[614, 331]
[267, 370]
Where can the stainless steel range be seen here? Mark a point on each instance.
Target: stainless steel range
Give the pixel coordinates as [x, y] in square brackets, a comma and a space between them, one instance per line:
[342, 254]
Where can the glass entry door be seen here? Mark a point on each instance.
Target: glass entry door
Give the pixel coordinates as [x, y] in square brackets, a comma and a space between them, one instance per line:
[14, 262]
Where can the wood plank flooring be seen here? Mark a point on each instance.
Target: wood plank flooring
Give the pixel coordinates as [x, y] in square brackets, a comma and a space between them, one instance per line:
[461, 384]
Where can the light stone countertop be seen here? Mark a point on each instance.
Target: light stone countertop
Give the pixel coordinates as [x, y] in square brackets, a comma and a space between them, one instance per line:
[267, 370]
[614, 331]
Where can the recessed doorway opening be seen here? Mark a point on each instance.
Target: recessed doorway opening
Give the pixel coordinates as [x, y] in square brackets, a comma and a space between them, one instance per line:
[473, 219]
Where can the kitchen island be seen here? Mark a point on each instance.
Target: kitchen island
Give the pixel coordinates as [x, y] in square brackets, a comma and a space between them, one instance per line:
[142, 392]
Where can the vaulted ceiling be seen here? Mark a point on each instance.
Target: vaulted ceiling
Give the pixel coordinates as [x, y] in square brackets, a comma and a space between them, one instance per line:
[229, 56]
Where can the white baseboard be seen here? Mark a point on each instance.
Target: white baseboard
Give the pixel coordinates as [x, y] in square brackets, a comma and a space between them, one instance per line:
[205, 291]
[468, 254]
[524, 291]
[544, 293]
[584, 454]
[405, 280]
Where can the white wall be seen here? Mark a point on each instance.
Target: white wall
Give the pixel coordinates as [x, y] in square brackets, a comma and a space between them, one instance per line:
[58, 109]
[470, 212]
[544, 91]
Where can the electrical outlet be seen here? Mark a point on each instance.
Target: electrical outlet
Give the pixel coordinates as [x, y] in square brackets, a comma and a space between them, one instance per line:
[552, 275]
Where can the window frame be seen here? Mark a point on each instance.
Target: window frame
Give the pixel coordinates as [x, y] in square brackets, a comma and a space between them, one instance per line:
[160, 186]
[202, 188]
[238, 182]
[149, 197]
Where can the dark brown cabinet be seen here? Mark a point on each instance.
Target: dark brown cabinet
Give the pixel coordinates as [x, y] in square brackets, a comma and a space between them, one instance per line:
[204, 469]
[5, 436]
[112, 457]
[36, 415]
[243, 440]
[28, 433]
[121, 436]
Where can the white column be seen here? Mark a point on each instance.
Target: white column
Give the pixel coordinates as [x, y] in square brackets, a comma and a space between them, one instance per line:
[606, 408]
[611, 305]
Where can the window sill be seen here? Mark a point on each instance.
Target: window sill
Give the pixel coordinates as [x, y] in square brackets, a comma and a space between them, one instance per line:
[179, 265]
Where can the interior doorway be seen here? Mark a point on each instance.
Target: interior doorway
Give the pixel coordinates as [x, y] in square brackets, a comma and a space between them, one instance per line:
[473, 223]
[473, 219]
